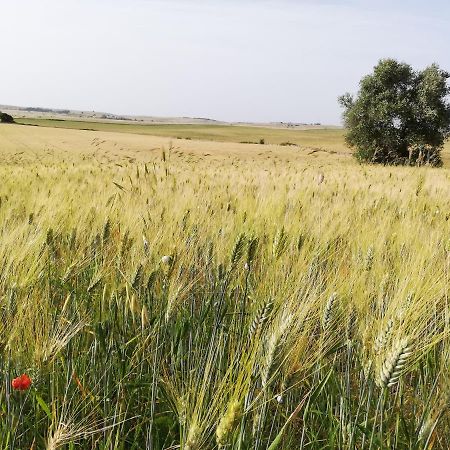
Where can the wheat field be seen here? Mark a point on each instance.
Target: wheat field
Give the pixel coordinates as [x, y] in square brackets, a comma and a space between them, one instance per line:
[331, 138]
[182, 294]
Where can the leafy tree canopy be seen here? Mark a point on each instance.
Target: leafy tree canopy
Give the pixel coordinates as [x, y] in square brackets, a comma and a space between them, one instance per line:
[399, 116]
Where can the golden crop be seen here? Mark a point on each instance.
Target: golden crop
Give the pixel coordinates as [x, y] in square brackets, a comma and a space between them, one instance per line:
[216, 295]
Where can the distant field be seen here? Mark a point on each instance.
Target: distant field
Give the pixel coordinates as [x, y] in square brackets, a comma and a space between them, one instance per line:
[332, 139]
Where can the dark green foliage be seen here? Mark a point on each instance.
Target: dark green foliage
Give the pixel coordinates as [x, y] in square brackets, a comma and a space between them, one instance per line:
[6, 118]
[400, 116]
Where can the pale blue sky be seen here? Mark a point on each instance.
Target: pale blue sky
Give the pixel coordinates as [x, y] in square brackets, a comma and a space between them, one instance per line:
[244, 60]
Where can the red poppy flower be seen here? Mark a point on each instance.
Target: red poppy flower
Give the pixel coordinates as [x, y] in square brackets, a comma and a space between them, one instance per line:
[21, 383]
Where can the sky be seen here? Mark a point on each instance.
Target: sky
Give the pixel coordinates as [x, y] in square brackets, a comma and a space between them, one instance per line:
[233, 60]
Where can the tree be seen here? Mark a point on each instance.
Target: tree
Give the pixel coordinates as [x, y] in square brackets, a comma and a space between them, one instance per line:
[6, 118]
[400, 116]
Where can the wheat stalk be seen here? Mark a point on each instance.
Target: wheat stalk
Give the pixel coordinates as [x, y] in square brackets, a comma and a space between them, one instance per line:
[394, 363]
[261, 316]
[328, 311]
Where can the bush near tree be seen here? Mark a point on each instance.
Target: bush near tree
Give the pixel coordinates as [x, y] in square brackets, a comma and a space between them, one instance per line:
[6, 118]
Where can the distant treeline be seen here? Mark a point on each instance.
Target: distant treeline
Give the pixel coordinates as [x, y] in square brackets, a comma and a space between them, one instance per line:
[48, 110]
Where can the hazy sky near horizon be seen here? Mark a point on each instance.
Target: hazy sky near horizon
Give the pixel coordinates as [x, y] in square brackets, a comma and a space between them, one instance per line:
[246, 60]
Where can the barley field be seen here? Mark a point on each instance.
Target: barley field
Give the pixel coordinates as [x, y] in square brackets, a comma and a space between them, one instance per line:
[190, 294]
